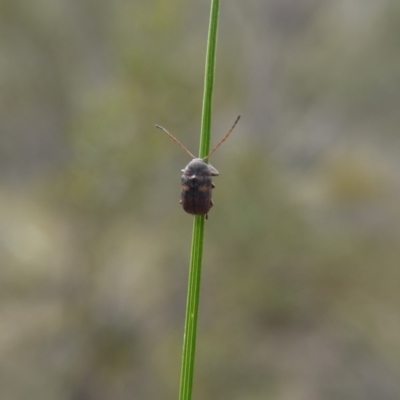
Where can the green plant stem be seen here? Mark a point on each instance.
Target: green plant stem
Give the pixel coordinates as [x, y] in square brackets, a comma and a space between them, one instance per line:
[192, 307]
[205, 138]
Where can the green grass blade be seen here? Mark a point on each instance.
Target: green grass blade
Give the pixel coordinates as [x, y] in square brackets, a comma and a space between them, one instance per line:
[205, 138]
[192, 308]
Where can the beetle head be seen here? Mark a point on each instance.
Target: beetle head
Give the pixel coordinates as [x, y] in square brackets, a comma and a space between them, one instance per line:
[199, 167]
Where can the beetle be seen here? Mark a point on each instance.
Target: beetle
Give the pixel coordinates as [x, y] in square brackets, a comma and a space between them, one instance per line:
[196, 180]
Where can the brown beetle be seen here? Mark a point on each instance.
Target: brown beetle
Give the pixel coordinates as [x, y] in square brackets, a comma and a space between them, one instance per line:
[196, 180]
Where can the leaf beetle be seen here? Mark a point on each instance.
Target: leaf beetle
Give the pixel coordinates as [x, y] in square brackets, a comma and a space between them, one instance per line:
[196, 180]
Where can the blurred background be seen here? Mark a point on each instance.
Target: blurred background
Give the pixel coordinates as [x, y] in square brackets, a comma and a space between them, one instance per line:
[300, 295]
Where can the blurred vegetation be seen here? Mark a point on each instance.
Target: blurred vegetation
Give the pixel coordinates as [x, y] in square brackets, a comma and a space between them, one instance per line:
[300, 292]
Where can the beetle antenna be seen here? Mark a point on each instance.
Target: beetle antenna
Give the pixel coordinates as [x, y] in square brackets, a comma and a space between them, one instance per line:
[176, 140]
[223, 139]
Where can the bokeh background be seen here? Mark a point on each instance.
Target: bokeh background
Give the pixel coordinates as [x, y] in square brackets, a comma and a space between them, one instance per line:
[301, 284]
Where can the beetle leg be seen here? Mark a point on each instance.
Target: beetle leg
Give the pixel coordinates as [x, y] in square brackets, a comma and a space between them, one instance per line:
[212, 185]
[206, 216]
[211, 202]
[180, 201]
